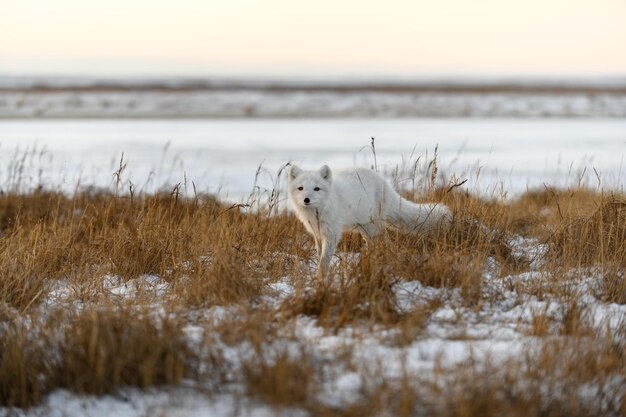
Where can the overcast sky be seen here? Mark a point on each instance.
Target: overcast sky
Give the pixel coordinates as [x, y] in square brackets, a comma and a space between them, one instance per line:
[321, 37]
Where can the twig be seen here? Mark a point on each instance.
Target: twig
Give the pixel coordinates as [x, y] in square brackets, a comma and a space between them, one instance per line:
[455, 185]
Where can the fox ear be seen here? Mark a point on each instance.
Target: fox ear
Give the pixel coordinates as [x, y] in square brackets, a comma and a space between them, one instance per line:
[326, 173]
[294, 171]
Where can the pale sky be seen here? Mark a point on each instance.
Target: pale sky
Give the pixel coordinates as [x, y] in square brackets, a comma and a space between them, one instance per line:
[322, 37]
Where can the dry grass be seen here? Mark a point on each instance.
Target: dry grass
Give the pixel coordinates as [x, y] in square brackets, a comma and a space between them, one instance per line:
[95, 352]
[281, 380]
[547, 381]
[211, 254]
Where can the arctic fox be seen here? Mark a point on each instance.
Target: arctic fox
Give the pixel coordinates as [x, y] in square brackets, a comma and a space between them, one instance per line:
[358, 199]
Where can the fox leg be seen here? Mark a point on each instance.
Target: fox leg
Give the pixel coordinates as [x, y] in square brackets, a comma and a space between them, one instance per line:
[318, 245]
[329, 244]
[316, 236]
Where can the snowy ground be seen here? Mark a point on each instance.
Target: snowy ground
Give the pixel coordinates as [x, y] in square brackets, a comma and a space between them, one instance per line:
[258, 103]
[223, 156]
[75, 97]
[498, 331]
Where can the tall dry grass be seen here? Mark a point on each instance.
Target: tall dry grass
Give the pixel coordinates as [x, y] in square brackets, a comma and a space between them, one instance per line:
[214, 254]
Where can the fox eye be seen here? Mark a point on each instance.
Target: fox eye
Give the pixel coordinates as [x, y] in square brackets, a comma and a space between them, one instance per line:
[300, 188]
[316, 189]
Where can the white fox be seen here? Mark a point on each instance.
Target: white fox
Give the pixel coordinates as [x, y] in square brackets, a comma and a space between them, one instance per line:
[354, 199]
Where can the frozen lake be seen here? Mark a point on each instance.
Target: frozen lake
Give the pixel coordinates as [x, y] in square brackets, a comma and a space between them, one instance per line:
[222, 156]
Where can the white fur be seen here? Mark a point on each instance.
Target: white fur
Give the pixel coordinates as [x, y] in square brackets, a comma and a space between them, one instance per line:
[354, 199]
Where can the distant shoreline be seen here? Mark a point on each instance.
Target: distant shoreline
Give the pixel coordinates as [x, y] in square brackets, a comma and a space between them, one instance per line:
[134, 98]
[592, 85]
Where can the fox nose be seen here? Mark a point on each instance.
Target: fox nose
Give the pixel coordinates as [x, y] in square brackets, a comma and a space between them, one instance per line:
[307, 200]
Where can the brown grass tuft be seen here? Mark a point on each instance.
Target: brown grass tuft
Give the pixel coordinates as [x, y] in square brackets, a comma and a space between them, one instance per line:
[281, 380]
[22, 361]
[105, 350]
[593, 238]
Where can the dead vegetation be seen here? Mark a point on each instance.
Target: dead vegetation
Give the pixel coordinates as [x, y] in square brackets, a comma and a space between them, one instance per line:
[212, 254]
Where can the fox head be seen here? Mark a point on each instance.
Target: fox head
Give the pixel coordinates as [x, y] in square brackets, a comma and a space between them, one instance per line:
[309, 189]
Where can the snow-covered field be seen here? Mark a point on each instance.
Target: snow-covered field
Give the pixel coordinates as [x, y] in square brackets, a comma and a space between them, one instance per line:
[223, 156]
[49, 97]
[260, 104]
[499, 333]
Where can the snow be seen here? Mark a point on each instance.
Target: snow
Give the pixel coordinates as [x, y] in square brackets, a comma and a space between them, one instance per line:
[60, 291]
[130, 288]
[454, 334]
[223, 156]
[173, 402]
[261, 103]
